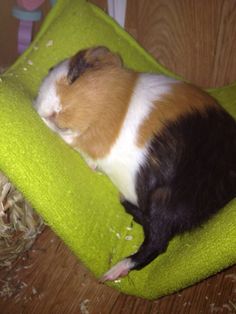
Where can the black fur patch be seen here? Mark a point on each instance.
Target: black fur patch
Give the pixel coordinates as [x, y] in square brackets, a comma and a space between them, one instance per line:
[190, 174]
[77, 67]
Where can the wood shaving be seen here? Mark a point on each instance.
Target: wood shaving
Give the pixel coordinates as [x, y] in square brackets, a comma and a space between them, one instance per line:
[233, 305]
[129, 228]
[84, 306]
[231, 276]
[227, 306]
[49, 43]
[34, 291]
[118, 235]
[215, 309]
[12, 287]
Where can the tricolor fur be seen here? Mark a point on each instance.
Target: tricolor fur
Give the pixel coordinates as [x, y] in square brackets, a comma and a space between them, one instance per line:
[168, 146]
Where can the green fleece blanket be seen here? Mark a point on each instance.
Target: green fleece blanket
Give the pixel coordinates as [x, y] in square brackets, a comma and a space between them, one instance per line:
[81, 206]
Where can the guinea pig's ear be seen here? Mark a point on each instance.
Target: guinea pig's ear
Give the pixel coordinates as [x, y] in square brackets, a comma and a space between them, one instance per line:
[101, 56]
[77, 66]
[93, 58]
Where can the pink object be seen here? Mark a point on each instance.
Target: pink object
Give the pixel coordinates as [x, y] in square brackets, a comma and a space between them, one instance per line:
[30, 5]
[24, 35]
[120, 270]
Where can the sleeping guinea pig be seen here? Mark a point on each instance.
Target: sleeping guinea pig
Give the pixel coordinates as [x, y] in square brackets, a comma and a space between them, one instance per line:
[168, 146]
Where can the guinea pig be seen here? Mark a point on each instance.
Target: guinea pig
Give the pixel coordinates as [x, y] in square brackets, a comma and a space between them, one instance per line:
[167, 145]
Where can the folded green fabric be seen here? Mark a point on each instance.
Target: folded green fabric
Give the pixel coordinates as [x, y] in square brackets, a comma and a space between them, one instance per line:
[81, 206]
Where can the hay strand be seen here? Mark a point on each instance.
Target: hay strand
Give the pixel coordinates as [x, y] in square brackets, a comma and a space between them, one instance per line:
[19, 223]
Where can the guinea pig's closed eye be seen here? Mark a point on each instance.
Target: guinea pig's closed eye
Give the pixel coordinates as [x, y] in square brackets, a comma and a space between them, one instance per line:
[64, 121]
[64, 129]
[65, 133]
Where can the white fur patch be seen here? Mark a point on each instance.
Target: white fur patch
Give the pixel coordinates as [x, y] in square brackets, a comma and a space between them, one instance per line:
[125, 157]
[68, 136]
[48, 101]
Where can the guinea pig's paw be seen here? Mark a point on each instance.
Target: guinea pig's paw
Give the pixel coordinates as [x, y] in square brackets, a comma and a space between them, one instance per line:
[92, 165]
[121, 269]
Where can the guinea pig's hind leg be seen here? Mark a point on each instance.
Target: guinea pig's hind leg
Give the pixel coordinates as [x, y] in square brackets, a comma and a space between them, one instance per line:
[158, 231]
[133, 210]
[156, 238]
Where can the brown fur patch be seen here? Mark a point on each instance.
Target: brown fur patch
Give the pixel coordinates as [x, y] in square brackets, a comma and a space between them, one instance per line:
[95, 105]
[183, 99]
[100, 56]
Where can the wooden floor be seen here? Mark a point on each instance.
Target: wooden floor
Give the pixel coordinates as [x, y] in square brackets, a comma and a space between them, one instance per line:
[50, 280]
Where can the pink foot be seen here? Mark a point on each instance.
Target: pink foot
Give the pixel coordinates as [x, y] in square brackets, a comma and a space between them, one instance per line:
[92, 165]
[121, 269]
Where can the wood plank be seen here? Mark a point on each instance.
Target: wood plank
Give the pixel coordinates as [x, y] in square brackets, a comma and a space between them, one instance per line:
[195, 39]
[58, 283]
